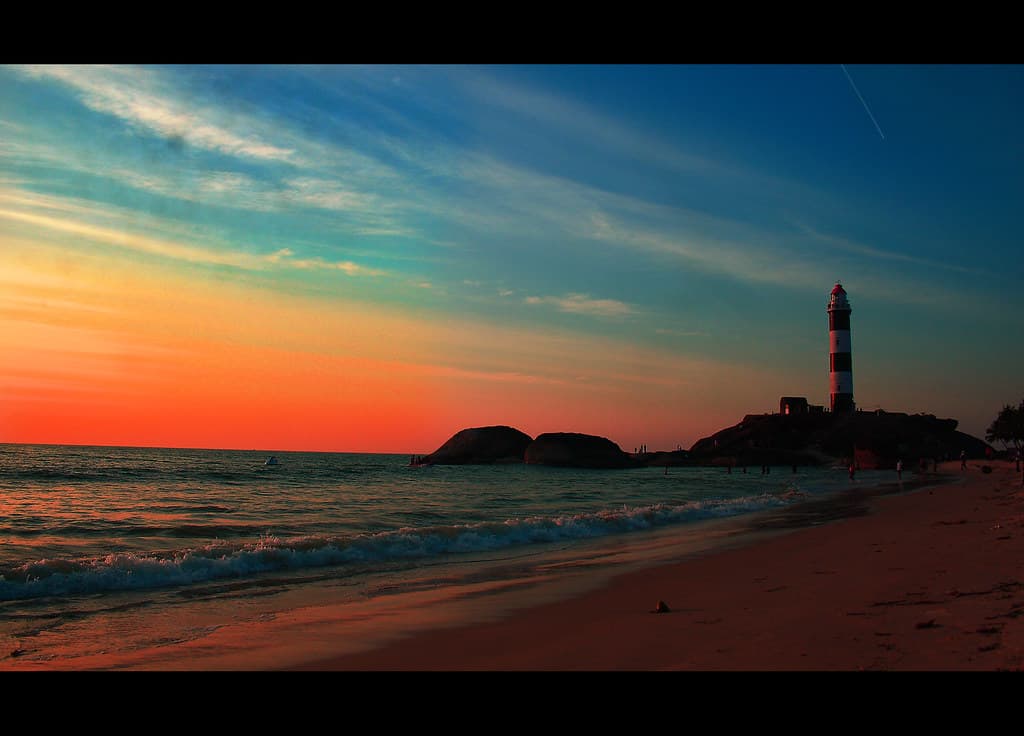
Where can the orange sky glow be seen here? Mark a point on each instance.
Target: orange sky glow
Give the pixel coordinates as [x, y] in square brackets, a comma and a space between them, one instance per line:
[108, 351]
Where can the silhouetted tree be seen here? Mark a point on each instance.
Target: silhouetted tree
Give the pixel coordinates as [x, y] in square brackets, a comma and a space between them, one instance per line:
[1008, 427]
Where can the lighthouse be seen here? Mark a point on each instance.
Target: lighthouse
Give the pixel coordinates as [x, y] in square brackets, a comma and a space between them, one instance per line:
[840, 360]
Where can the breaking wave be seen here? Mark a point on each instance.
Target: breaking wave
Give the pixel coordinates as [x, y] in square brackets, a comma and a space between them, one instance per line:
[269, 553]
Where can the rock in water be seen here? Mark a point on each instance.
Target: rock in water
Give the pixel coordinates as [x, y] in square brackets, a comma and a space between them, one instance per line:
[481, 446]
[569, 449]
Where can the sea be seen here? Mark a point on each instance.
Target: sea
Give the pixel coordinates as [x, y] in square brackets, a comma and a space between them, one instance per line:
[111, 555]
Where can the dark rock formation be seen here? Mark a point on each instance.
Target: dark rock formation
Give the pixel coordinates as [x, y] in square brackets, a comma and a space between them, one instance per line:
[481, 446]
[874, 439]
[573, 450]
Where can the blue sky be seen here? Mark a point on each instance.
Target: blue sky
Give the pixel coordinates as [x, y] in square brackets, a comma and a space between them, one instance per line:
[694, 214]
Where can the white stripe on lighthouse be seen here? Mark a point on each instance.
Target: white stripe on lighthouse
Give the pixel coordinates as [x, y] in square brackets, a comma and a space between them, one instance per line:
[839, 341]
[841, 382]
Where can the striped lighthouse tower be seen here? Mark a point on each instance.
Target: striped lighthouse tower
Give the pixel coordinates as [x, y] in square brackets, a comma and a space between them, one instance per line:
[840, 360]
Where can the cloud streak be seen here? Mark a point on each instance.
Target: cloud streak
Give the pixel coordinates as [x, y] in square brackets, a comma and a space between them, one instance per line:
[583, 304]
[371, 215]
[127, 94]
[158, 246]
[514, 194]
[586, 123]
[351, 189]
[887, 255]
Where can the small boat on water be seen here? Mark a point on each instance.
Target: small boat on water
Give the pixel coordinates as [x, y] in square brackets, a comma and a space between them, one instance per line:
[272, 460]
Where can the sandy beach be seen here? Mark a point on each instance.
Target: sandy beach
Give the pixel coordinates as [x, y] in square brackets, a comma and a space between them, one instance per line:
[931, 579]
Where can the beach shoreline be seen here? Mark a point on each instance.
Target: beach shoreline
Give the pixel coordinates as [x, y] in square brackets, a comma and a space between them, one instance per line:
[919, 575]
[923, 580]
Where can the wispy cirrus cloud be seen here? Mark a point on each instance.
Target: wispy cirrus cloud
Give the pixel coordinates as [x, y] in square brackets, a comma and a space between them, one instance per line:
[128, 94]
[348, 267]
[229, 189]
[851, 246]
[692, 239]
[355, 192]
[343, 180]
[585, 122]
[334, 179]
[741, 252]
[136, 242]
[583, 304]
[611, 134]
[760, 263]
[329, 194]
[370, 213]
[69, 218]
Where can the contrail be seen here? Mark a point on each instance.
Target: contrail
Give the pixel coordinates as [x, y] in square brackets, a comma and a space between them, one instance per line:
[862, 101]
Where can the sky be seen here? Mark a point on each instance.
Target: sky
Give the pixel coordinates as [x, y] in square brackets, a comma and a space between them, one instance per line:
[371, 258]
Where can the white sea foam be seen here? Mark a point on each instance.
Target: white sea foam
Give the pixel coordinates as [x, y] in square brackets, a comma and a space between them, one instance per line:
[220, 560]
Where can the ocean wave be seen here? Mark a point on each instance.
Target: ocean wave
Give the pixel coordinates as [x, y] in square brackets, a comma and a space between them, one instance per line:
[270, 553]
[101, 528]
[73, 475]
[179, 474]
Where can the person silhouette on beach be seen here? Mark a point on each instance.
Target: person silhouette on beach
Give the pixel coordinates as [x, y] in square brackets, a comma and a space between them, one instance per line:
[899, 470]
[852, 468]
[963, 460]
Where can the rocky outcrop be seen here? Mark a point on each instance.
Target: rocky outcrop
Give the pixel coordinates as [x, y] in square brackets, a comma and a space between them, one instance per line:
[569, 449]
[875, 439]
[481, 446]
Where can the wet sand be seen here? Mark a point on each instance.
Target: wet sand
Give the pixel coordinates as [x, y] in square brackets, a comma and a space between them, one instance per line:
[925, 579]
